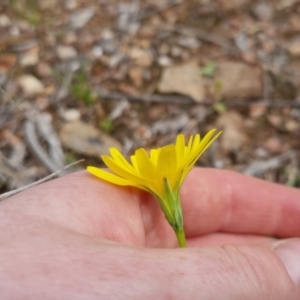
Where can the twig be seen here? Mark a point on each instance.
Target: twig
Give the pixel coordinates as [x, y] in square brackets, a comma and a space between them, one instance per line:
[23, 188]
[159, 10]
[63, 90]
[264, 102]
[61, 93]
[32, 140]
[293, 172]
[106, 95]
[267, 86]
[46, 130]
[4, 121]
[257, 168]
[204, 36]
[18, 149]
[107, 76]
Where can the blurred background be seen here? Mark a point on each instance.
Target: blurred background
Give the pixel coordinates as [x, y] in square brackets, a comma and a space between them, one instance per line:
[80, 76]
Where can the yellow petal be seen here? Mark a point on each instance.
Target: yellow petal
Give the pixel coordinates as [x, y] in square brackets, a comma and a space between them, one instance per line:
[180, 148]
[193, 157]
[144, 164]
[172, 163]
[109, 177]
[196, 142]
[119, 170]
[134, 163]
[150, 182]
[121, 160]
[190, 143]
[198, 149]
[154, 155]
[167, 163]
[207, 138]
[208, 143]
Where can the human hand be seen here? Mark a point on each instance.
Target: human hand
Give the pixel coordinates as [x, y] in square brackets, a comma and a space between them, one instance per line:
[80, 238]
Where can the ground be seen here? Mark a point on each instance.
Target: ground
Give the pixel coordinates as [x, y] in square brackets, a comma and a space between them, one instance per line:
[80, 76]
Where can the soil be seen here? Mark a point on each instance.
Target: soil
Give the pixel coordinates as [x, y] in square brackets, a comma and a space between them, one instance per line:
[80, 76]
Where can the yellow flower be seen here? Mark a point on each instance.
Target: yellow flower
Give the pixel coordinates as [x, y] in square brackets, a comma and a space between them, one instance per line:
[161, 173]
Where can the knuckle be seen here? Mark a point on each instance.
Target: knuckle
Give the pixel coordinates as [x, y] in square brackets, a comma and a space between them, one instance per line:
[258, 272]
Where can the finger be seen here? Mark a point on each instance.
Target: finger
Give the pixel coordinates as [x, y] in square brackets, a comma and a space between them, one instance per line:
[222, 238]
[238, 272]
[81, 267]
[269, 271]
[88, 205]
[83, 204]
[215, 200]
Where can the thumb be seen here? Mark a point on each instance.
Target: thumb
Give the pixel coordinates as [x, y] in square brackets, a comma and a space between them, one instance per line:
[269, 271]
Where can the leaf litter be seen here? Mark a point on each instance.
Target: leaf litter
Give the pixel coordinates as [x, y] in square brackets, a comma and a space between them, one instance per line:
[136, 73]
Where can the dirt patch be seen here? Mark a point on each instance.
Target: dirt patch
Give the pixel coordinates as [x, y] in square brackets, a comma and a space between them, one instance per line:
[104, 63]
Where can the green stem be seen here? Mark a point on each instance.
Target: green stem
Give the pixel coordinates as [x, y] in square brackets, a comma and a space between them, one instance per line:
[181, 238]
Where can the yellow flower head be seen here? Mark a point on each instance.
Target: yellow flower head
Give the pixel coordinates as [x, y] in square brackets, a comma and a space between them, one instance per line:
[161, 173]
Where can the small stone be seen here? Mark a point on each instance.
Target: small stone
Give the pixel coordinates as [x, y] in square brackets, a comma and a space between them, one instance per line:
[257, 111]
[164, 49]
[71, 4]
[107, 34]
[238, 80]
[21, 46]
[109, 46]
[242, 41]
[30, 57]
[147, 31]
[263, 11]
[183, 79]
[65, 52]
[4, 21]
[69, 38]
[127, 20]
[294, 20]
[115, 59]
[14, 31]
[233, 4]
[275, 120]
[284, 4]
[7, 61]
[234, 136]
[30, 85]
[80, 18]
[142, 58]
[273, 144]
[74, 65]
[97, 51]
[48, 4]
[136, 75]
[176, 51]
[43, 69]
[171, 124]
[3, 79]
[261, 152]
[71, 115]
[164, 61]
[294, 49]
[190, 42]
[86, 139]
[291, 125]
[269, 46]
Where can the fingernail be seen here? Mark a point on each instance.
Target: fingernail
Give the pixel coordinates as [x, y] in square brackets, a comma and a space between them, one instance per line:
[289, 253]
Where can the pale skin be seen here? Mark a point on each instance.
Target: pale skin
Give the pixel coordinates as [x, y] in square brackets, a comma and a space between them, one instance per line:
[78, 237]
